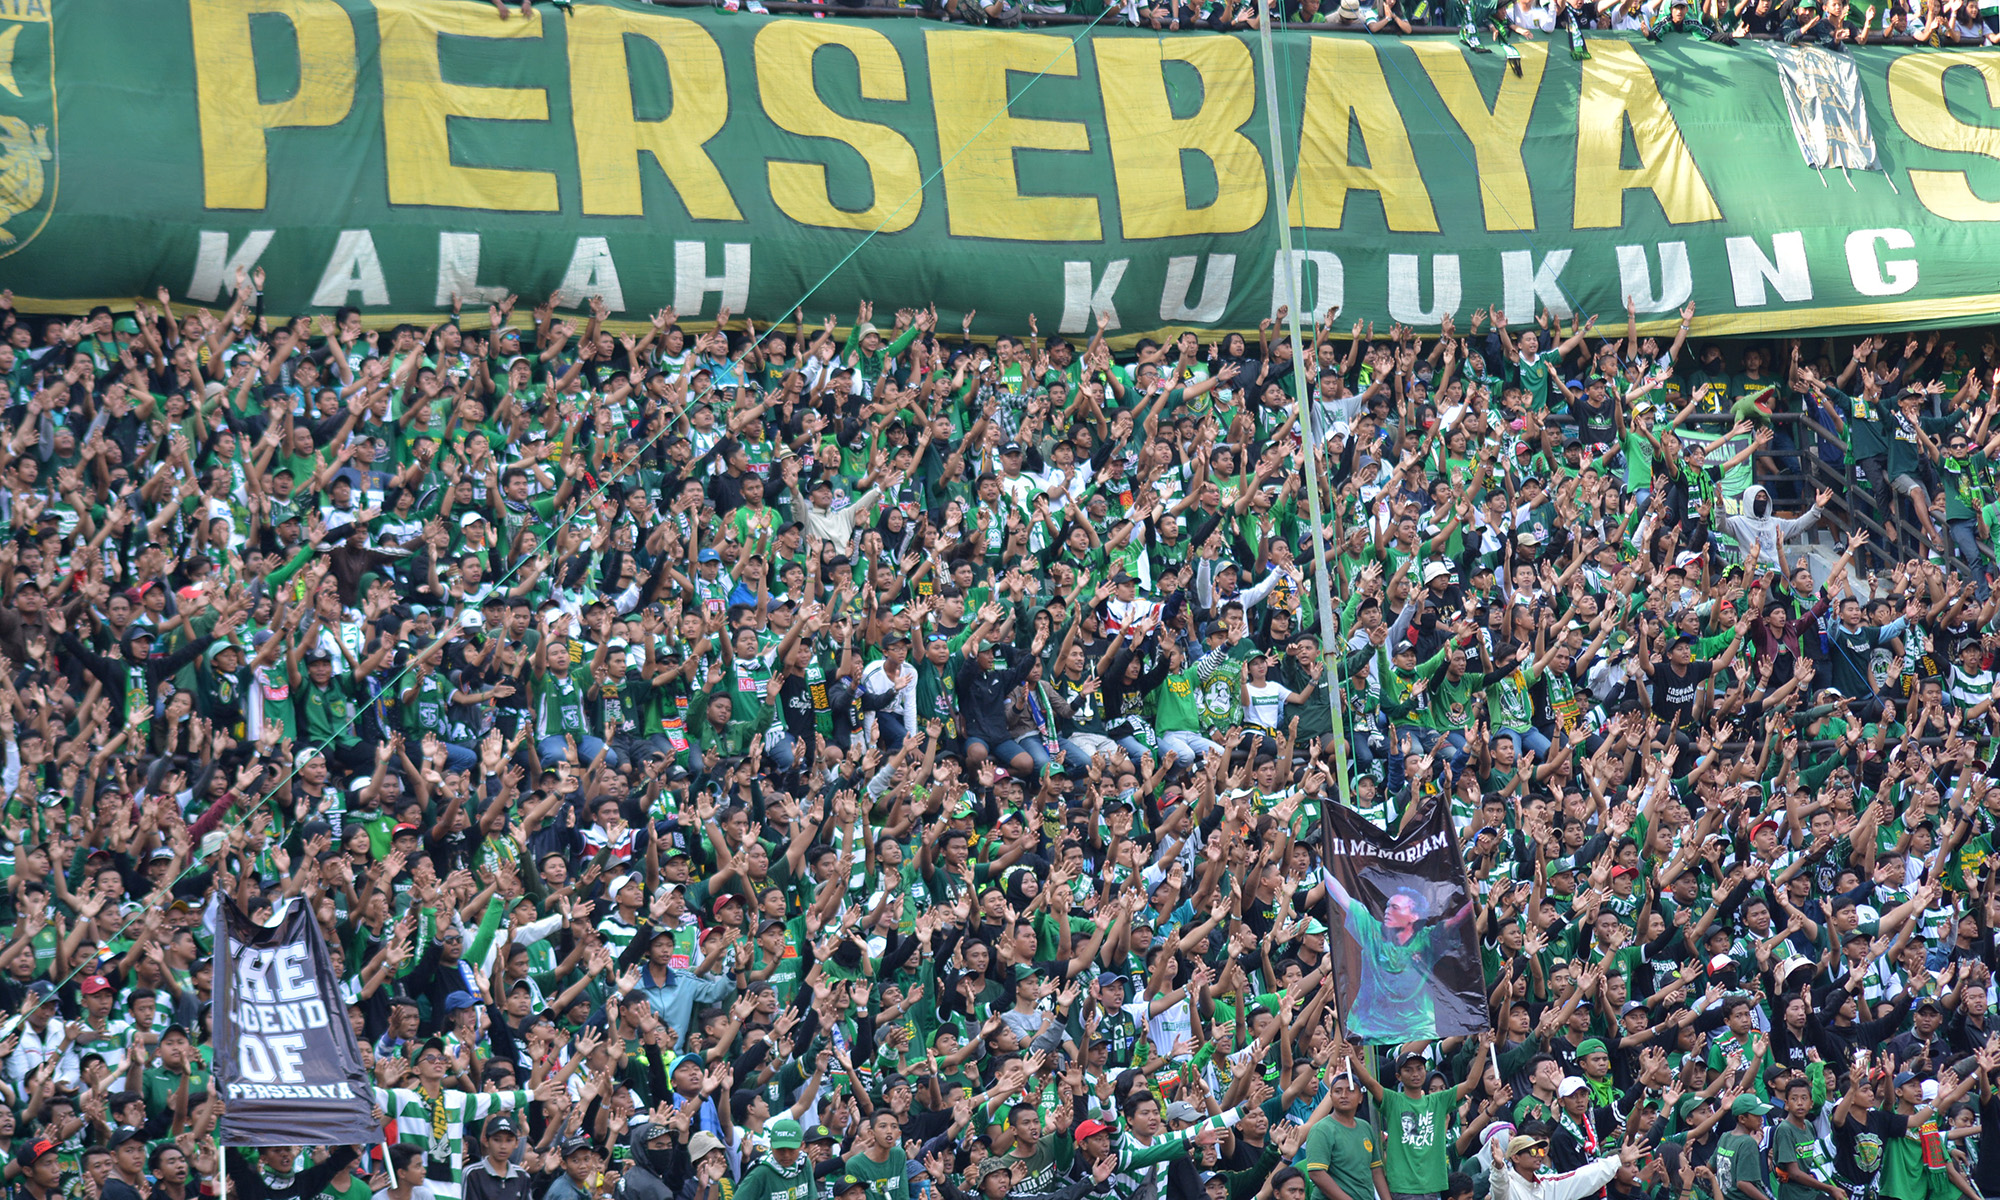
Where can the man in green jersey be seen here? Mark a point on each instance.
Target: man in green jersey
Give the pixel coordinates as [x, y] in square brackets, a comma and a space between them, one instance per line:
[1343, 1152]
[1416, 1125]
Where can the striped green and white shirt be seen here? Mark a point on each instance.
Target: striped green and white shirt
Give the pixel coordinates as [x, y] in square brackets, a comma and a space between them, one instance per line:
[444, 1154]
[1141, 1173]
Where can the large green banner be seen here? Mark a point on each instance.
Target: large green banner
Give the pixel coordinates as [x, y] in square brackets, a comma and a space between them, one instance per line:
[394, 153]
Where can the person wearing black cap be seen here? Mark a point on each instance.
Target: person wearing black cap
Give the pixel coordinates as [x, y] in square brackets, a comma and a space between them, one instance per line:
[1923, 1039]
[41, 1171]
[1677, 678]
[582, 1164]
[128, 1165]
[129, 678]
[495, 1177]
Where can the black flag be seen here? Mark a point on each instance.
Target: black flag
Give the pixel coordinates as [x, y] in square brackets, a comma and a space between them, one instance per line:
[285, 1056]
[1406, 963]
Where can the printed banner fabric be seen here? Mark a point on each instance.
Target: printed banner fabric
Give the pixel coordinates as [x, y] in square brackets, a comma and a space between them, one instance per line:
[393, 154]
[1406, 963]
[285, 1055]
[1829, 117]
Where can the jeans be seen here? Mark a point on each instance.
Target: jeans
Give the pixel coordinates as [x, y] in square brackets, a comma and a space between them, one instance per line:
[1784, 454]
[1526, 740]
[1456, 740]
[1965, 542]
[889, 730]
[631, 747]
[1013, 748]
[457, 757]
[1187, 748]
[555, 749]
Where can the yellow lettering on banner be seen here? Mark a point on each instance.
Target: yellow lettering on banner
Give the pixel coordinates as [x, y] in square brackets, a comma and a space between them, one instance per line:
[1147, 138]
[1344, 86]
[1617, 84]
[417, 107]
[1496, 133]
[610, 139]
[785, 51]
[982, 191]
[1916, 96]
[234, 121]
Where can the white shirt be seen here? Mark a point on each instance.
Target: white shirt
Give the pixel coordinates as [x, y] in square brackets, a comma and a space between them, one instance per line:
[875, 679]
[38, 1048]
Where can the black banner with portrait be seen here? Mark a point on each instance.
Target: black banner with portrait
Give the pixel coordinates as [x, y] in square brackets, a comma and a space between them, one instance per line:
[1406, 951]
[285, 1055]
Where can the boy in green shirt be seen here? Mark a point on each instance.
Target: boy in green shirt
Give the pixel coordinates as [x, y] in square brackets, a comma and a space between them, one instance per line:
[1739, 1154]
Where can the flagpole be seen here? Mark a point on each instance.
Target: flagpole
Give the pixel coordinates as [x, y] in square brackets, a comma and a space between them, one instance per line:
[1308, 438]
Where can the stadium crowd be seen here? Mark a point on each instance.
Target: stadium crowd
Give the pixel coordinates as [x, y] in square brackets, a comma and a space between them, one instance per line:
[1831, 24]
[767, 763]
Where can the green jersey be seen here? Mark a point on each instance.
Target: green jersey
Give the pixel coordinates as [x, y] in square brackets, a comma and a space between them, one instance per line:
[1415, 1134]
[1220, 691]
[1795, 1153]
[1349, 1153]
[768, 1181]
[886, 1180]
[330, 711]
[559, 707]
[1740, 1160]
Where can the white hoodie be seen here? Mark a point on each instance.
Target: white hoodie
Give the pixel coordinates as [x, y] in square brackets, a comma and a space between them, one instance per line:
[1586, 1180]
[1757, 527]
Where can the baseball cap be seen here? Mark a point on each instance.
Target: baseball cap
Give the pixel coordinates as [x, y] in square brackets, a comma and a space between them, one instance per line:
[1181, 1110]
[1090, 1129]
[93, 984]
[499, 1125]
[1571, 1085]
[785, 1134]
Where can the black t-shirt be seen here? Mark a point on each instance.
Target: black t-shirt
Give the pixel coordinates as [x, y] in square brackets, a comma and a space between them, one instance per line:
[795, 701]
[1858, 1145]
[1674, 691]
[1593, 421]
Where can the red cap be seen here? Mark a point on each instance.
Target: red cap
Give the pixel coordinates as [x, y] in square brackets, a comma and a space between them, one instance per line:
[405, 827]
[1090, 1127]
[93, 984]
[1623, 870]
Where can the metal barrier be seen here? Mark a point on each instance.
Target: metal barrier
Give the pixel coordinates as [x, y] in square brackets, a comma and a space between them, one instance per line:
[1857, 504]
